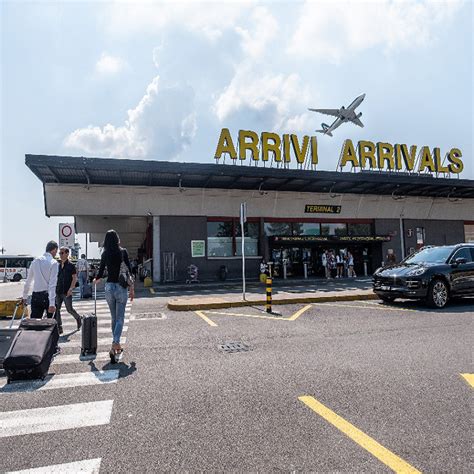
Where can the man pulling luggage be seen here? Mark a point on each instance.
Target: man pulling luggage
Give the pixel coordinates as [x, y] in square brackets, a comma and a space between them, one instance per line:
[67, 278]
[43, 276]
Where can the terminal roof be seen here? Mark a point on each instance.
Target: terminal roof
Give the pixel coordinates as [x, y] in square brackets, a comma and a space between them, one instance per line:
[106, 171]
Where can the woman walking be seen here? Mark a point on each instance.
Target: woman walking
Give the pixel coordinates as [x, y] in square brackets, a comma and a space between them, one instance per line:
[116, 288]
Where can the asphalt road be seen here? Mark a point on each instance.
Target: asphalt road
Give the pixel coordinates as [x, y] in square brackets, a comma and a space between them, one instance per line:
[181, 404]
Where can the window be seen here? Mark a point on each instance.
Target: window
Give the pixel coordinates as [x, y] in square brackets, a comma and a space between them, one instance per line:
[359, 229]
[219, 239]
[224, 238]
[469, 232]
[420, 236]
[251, 239]
[306, 228]
[462, 253]
[333, 229]
[278, 228]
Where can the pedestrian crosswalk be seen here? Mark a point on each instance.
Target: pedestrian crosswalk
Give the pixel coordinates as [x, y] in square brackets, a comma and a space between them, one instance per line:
[69, 370]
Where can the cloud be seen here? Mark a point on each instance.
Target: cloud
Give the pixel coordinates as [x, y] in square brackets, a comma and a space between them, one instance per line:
[210, 19]
[257, 95]
[335, 29]
[160, 127]
[109, 65]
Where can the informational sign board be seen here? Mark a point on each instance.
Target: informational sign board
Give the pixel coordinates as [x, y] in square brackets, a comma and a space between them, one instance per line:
[322, 209]
[67, 235]
[198, 248]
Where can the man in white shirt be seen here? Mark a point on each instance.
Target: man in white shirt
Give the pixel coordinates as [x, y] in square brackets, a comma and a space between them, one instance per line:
[43, 275]
[82, 267]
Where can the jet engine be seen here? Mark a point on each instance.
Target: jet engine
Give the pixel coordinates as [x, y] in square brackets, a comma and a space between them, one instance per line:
[359, 115]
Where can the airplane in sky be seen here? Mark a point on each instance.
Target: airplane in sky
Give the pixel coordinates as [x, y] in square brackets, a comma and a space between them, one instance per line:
[342, 115]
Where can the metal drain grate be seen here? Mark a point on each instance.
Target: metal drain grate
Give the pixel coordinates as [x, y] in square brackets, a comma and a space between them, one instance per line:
[149, 316]
[231, 347]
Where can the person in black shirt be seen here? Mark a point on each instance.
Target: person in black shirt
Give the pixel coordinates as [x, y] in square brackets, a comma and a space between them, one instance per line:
[115, 294]
[67, 278]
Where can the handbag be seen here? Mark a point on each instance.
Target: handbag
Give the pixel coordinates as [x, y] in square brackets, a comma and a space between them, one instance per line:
[125, 279]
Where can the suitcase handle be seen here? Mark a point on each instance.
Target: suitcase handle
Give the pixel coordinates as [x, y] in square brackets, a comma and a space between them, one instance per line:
[17, 305]
[95, 299]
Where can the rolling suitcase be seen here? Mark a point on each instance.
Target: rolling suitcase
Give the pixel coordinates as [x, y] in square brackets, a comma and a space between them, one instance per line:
[7, 336]
[32, 350]
[89, 330]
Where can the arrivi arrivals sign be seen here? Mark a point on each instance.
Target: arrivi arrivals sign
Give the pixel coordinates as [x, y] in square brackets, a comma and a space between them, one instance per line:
[66, 235]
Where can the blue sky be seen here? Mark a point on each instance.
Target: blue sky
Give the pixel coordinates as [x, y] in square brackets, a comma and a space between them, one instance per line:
[158, 81]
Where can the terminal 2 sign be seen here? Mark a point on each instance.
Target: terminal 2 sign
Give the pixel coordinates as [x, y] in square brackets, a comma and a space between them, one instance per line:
[366, 155]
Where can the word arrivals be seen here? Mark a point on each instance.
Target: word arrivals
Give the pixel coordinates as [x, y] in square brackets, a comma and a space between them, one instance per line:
[267, 146]
[384, 156]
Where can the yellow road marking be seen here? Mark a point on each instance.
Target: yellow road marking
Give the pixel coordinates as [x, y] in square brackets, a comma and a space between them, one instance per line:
[152, 291]
[259, 316]
[373, 447]
[469, 378]
[364, 306]
[203, 316]
[299, 313]
[247, 315]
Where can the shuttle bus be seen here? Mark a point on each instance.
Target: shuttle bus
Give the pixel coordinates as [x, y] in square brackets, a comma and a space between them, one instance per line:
[14, 267]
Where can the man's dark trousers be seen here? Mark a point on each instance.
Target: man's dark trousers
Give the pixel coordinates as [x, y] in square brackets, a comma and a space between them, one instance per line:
[39, 304]
[68, 301]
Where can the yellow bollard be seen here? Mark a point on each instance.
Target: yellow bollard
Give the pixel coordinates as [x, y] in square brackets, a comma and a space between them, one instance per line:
[148, 282]
[269, 295]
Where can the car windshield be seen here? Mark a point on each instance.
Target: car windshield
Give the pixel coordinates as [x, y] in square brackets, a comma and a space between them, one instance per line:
[430, 255]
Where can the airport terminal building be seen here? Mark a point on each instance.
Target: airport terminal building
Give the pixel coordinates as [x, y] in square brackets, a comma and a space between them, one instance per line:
[177, 214]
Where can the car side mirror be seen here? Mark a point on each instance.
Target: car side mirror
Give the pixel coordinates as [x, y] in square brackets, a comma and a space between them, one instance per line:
[460, 261]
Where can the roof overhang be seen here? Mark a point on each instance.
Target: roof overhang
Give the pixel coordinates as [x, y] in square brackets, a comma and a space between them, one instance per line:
[122, 172]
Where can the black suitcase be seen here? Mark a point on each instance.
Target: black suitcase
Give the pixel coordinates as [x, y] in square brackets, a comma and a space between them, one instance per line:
[7, 336]
[89, 330]
[32, 350]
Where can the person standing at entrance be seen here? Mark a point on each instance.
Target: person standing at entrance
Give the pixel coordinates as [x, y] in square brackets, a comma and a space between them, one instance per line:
[43, 276]
[66, 283]
[82, 271]
[339, 265]
[324, 263]
[115, 294]
[350, 264]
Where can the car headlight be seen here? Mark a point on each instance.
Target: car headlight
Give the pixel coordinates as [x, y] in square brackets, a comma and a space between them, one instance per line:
[417, 271]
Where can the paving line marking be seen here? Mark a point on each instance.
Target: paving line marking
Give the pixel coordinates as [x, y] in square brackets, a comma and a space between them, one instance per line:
[77, 358]
[360, 306]
[300, 312]
[57, 418]
[100, 322]
[258, 316]
[390, 459]
[53, 382]
[203, 316]
[469, 379]
[88, 466]
[100, 341]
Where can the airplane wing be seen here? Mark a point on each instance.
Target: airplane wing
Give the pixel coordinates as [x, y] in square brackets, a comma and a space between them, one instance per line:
[357, 122]
[333, 112]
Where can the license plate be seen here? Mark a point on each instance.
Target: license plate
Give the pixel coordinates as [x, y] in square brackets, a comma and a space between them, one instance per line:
[385, 288]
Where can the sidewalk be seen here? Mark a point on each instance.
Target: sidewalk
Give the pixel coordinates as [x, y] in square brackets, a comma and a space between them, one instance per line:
[289, 292]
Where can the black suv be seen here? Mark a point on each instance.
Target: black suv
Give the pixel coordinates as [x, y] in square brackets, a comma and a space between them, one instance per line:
[433, 273]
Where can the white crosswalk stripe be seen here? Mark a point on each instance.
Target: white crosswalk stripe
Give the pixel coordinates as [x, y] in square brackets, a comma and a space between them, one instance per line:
[52, 382]
[101, 341]
[75, 358]
[88, 466]
[57, 418]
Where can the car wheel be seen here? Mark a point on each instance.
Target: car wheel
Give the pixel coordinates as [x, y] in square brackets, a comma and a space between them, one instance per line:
[387, 299]
[438, 294]
[16, 277]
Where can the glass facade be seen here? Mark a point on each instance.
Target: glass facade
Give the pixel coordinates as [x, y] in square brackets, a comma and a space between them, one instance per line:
[224, 238]
[333, 229]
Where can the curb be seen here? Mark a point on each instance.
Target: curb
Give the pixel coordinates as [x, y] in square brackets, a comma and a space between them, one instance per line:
[235, 304]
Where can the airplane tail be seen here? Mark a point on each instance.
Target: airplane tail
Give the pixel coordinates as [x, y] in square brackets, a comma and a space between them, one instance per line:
[325, 129]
